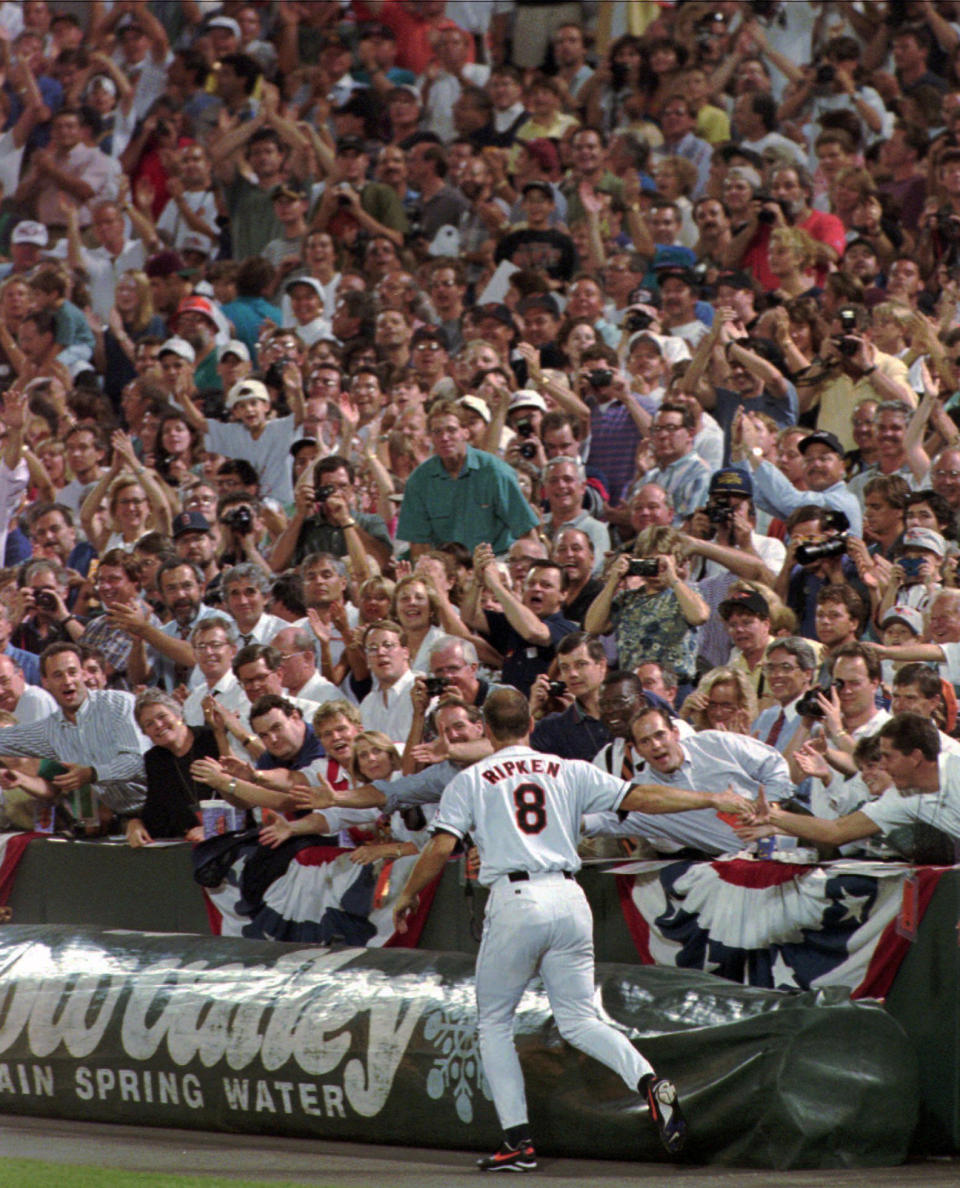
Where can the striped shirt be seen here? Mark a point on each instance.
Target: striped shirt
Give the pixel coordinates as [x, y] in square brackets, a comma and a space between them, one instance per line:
[104, 737]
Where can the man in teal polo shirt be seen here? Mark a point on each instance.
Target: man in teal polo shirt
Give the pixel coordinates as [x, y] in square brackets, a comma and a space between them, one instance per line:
[461, 494]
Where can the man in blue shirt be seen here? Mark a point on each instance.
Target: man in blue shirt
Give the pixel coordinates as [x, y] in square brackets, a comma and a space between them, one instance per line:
[461, 494]
[289, 741]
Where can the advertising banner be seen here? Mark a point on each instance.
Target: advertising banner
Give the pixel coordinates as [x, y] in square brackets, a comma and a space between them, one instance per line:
[380, 1046]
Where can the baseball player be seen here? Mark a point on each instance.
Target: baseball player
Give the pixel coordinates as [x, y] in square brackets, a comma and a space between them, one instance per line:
[523, 810]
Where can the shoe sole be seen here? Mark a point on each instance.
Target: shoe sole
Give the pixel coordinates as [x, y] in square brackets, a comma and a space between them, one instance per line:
[673, 1143]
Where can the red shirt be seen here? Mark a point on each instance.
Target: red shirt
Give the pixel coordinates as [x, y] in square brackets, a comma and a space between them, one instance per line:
[415, 36]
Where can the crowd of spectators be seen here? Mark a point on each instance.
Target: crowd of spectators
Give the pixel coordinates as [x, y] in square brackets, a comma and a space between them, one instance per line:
[360, 357]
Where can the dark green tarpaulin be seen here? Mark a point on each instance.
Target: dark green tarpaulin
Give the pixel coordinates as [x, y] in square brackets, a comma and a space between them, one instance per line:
[381, 1046]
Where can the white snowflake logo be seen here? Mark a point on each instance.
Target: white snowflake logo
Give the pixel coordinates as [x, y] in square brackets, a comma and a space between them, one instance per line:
[458, 1068]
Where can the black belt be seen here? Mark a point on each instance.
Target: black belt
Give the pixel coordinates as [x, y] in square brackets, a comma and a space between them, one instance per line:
[523, 876]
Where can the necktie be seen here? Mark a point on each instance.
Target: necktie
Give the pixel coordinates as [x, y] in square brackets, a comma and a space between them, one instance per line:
[246, 638]
[771, 739]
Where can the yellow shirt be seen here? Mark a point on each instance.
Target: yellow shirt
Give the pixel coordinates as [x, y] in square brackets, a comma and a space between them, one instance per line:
[838, 397]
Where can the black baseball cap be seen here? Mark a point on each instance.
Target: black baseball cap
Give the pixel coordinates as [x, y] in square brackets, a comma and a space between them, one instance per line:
[190, 521]
[351, 144]
[821, 437]
[748, 600]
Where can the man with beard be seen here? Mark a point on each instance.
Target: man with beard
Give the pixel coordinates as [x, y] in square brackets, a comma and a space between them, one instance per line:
[166, 650]
[195, 323]
[679, 299]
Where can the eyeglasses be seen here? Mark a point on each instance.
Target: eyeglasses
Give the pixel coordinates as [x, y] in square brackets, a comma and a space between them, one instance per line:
[666, 428]
[428, 346]
[372, 649]
[942, 474]
[443, 284]
[130, 502]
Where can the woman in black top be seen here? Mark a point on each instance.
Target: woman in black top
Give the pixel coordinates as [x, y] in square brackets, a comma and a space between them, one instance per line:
[172, 807]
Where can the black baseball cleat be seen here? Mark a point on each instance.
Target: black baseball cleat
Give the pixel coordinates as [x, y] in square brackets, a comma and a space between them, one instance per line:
[665, 1111]
[510, 1158]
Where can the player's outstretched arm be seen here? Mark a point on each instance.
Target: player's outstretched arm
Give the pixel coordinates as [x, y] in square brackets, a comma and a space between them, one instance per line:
[655, 798]
[431, 861]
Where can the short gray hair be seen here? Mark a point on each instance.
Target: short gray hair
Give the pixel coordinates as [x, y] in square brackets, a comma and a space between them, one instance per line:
[247, 571]
[559, 460]
[454, 641]
[796, 646]
[227, 626]
[156, 697]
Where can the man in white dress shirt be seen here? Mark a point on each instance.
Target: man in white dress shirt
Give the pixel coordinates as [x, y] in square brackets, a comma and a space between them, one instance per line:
[388, 706]
[299, 666]
[245, 591]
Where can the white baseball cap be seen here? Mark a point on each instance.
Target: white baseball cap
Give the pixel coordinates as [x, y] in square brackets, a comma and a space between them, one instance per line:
[234, 347]
[28, 231]
[178, 346]
[248, 389]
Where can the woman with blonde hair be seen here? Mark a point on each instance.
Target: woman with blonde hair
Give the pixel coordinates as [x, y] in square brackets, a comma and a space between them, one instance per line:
[792, 255]
[416, 607]
[135, 499]
[723, 700]
[132, 318]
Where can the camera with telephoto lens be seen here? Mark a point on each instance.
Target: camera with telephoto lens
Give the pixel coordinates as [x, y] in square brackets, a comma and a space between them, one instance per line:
[911, 566]
[524, 427]
[435, 685]
[324, 493]
[240, 519]
[600, 377]
[643, 567]
[808, 553]
[809, 707]
[343, 190]
[556, 688]
[825, 75]
[44, 600]
[845, 343]
[637, 319]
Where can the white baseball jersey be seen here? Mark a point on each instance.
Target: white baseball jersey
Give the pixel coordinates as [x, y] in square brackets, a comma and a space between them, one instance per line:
[523, 809]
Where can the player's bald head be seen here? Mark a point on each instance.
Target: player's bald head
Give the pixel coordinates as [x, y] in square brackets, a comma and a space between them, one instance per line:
[506, 713]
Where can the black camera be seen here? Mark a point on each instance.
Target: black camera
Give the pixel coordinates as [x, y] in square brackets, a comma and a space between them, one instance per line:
[637, 319]
[528, 450]
[847, 345]
[719, 512]
[556, 688]
[848, 320]
[240, 519]
[600, 377]
[809, 707]
[643, 567]
[45, 600]
[524, 427]
[324, 493]
[808, 553]
[435, 685]
[825, 75]
[764, 215]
